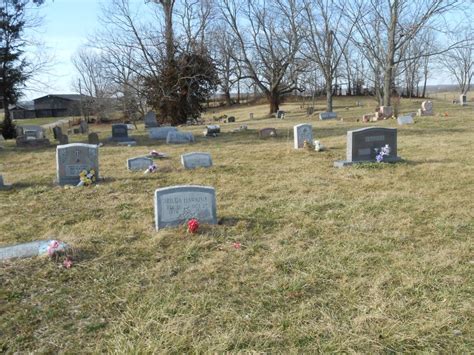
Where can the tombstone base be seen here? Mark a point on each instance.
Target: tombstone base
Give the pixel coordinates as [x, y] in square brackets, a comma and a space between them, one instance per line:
[343, 163]
[127, 143]
[5, 187]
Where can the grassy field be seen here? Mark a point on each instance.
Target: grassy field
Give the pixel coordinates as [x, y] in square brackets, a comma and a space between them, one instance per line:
[369, 259]
[37, 121]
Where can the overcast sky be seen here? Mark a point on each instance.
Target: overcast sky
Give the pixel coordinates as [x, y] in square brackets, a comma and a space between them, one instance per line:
[66, 26]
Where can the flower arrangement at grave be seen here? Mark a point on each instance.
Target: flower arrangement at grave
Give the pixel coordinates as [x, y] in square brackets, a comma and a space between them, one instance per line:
[193, 225]
[318, 146]
[151, 169]
[307, 145]
[382, 152]
[155, 155]
[56, 249]
[87, 178]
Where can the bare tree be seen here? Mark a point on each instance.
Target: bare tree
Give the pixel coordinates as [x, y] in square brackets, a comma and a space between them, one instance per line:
[328, 35]
[459, 62]
[398, 22]
[269, 38]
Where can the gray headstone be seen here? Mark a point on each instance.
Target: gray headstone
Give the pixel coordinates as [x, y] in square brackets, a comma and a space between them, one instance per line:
[160, 133]
[231, 119]
[402, 120]
[84, 127]
[280, 114]
[71, 159]
[63, 139]
[463, 100]
[362, 144]
[2, 184]
[150, 120]
[196, 160]
[302, 132]
[176, 205]
[120, 133]
[57, 132]
[251, 116]
[31, 132]
[327, 115]
[212, 130]
[176, 137]
[93, 138]
[139, 163]
[267, 132]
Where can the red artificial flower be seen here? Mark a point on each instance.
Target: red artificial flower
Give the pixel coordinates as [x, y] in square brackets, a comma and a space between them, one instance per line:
[193, 225]
[236, 245]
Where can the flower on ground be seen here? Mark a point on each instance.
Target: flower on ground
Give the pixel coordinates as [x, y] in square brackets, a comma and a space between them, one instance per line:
[193, 225]
[236, 245]
[67, 263]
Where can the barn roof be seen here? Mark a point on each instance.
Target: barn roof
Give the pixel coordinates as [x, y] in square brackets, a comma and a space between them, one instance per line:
[71, 97]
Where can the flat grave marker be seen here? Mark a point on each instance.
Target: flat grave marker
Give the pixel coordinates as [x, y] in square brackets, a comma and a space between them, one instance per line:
[196, 160]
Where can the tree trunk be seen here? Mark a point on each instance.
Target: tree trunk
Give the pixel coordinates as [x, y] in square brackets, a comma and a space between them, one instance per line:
[228, 101]
[328, 96]
[274, 99]
[389, 63]
[423, 94]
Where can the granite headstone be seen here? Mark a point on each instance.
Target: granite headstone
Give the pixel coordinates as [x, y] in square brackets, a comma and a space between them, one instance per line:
[196, 160]
[302, 132]
[71, 159]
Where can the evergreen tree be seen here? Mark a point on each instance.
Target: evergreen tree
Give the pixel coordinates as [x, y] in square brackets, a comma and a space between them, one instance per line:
[13, 66]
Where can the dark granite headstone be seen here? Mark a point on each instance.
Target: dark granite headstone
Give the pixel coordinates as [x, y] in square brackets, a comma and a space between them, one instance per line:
[362, 145]
[93, 138]
[120, 133]
[57, 132]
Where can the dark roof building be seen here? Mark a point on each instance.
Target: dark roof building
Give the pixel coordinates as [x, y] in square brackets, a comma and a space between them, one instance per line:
[60, 105]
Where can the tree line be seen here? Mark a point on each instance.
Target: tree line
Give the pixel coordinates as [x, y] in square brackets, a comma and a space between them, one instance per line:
[173, 54]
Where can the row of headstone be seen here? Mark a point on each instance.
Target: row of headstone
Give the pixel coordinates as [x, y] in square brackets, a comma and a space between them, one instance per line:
[363, 145]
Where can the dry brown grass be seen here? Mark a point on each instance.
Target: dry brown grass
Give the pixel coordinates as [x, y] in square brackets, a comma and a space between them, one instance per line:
[375, 258]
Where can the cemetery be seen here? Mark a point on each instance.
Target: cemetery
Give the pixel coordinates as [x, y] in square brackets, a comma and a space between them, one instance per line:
[236, 177]
[230, 231]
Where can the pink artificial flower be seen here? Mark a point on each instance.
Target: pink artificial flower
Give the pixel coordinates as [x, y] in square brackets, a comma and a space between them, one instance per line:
[67, 263]
[236, 245]
[53, 245]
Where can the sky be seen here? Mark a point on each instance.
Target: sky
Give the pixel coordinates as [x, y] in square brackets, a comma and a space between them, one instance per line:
[66, 26]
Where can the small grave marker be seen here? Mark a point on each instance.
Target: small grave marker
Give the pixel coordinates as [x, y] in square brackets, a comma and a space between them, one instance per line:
[150, 120]
[160, 133]
[139, 163]
[176, 137]
[267, 132]
[327, 115]
[196, 160]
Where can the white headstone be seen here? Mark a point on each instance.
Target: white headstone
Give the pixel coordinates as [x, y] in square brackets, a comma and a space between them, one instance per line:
[402, 120]
[327, 115]
[196, 160]
[463, 100]
[302, 132]
[160, 133]
[176, 137]
[176, 205]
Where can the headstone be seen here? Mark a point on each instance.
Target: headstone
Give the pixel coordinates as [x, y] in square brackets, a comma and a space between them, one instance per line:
[402, 120]
[71, 159]
[150, 120]
[362, 144]
[2, 142]
[27, 250]
[280, 114]
[2, 184]
[160, 133]
[84, 127]
[231, 119]
[196, 160]
[386, 111]
[176, 205]
[30, 132]
[302, 132]
[93, 138]
[120, 133]
[139, 163]
[63, 139]
[426, 109]
[367, 118]
[267, 132]
[251, 116]
[176, 137]
[57, 132]
[212, 130]
[76, 130]
[327, 115]
[463, 100]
